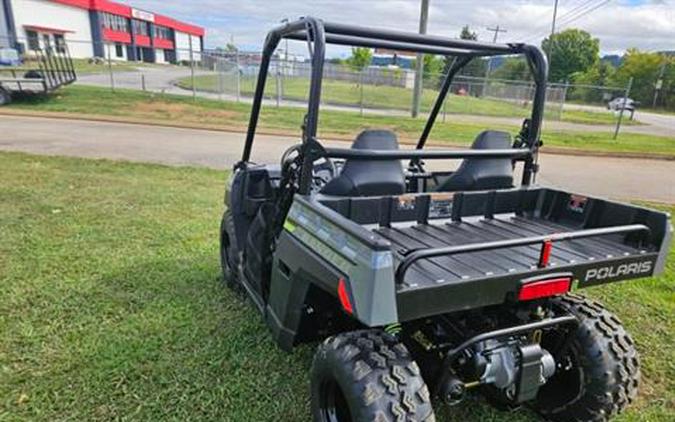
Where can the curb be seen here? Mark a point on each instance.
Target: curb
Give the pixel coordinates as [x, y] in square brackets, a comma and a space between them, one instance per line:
[281, 132]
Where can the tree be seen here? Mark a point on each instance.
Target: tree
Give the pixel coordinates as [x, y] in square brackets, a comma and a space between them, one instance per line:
[467, 34]
[477, 66]
[644, 68]
[360, 58]
[600, 74]
[433, 69]
[513, 68]
[573, 50]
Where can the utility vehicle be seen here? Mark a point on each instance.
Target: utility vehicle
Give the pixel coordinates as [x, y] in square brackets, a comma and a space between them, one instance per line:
[430, 284]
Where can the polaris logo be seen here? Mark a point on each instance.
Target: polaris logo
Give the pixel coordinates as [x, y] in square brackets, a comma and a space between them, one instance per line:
[603, 273]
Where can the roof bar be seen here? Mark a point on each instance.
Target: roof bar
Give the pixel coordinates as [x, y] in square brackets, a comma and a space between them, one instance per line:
[384, 34]
[401, 154]
[394, 45]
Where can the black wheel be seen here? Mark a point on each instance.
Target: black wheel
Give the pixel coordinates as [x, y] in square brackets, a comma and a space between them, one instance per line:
[597, 374]
[5, 96]
[367, 375]
[229, 252]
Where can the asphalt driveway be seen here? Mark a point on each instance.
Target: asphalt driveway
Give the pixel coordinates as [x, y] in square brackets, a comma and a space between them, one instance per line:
[619, 178]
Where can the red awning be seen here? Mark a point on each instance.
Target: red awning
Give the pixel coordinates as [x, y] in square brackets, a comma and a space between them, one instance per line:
[46, 29]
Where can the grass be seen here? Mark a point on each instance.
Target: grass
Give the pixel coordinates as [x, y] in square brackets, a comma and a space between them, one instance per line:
[181, 110]
[111, 306]
[83, 66]
[381, 96]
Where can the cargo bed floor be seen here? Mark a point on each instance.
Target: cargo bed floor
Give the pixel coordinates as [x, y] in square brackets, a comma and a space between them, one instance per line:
[405, 238]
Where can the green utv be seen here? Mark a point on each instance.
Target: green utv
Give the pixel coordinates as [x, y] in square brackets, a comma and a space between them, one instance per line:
[431, 284]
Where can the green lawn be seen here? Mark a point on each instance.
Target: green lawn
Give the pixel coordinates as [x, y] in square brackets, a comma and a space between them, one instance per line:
[381, 96]
[182, 110]
[111, 306]
[82, 66]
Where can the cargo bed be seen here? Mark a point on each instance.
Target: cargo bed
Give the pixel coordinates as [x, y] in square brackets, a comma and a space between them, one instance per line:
[500, 262]
[466, 250]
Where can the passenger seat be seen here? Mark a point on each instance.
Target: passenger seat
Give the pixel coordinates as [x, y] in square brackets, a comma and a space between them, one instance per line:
[483, 173]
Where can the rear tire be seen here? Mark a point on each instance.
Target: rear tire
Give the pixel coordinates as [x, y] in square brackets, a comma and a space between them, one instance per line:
[367, 375]
[229, 252]
[598, 374]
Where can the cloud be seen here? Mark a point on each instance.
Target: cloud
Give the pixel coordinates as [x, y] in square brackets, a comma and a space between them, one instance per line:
[645, 24]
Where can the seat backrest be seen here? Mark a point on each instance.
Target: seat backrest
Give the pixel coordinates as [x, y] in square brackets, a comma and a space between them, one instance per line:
[483, 173]
[370, 177]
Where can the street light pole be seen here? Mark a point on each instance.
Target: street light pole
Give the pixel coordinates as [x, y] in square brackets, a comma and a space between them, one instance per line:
[419, 68]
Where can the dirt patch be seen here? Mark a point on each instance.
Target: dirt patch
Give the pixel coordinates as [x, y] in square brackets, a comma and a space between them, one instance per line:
[182, 111]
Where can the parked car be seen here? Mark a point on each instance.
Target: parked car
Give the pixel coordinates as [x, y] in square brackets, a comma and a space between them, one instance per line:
[628, 104]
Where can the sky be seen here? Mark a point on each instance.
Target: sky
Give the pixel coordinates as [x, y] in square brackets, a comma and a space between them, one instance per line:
[619, 24]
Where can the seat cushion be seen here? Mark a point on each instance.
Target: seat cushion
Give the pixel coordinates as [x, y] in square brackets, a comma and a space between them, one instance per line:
[483, 173]
[370, 177]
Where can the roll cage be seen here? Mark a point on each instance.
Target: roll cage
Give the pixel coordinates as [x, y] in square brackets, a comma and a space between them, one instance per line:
[318, 33]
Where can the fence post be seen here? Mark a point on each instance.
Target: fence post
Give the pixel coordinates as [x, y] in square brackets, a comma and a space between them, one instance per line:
[236, 61]
[192, 70]
[563, 99]
[112, 79]
[361, 91]
[221, 81]
[143, 81]
[278, 85]
[623, 106]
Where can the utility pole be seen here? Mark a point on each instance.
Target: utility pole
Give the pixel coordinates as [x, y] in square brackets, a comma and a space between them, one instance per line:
[417, 91]
[659, 83]
[550, 39]
[496, 30]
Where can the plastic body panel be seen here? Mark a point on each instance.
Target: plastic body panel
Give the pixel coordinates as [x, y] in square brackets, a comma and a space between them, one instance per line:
[320, 243]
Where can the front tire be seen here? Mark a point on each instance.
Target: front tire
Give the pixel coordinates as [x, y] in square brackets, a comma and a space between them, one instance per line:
[367, 375]
[597, 376]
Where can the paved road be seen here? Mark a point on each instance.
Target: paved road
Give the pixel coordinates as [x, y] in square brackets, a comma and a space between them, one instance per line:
[653, 123]
[609, 177]
[161, 79]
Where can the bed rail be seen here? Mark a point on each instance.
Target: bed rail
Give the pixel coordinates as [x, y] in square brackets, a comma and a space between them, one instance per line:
[546, 241]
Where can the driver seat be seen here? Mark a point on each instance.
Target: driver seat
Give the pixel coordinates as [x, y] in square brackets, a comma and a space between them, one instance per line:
[369, 177]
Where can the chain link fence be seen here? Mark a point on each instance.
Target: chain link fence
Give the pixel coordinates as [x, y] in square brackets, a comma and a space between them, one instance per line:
[232, 76]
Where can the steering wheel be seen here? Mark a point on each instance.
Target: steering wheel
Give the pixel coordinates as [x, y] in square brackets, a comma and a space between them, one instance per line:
[323, 169]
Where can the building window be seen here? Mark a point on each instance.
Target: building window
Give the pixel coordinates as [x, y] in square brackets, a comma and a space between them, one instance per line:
[114, 22]
[33, 40]
[162, 32]
[47, 41]
[60, 43]
[119, 50]
[140, 27]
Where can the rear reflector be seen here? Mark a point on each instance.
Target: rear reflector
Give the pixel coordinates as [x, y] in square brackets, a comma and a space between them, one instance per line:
[545, 288]
[344, 297]
[545, 254]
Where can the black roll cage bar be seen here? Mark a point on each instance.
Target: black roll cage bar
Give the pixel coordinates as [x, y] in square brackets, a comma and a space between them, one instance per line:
[318, 33]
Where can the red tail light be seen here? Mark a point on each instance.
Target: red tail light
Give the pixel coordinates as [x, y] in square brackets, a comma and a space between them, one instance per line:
[545, 288]
[344, 297]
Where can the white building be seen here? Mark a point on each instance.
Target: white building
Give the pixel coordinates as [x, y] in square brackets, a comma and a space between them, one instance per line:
[99, 28]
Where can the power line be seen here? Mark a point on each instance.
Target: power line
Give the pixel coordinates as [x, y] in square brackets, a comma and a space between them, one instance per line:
[581, 4]
[572, 16]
